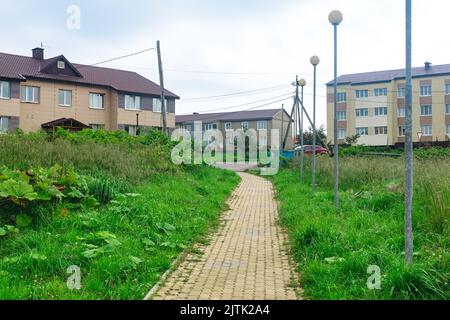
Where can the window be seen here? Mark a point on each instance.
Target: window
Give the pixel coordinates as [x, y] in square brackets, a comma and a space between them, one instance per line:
[341, 97]
[4, 124]
[381, 92]
[263, 140]
[447, 89]
[364, 112]
[132, 130]
[96, 101]
[425, 91]
[381, 111]
[448, 129]
[362, 94]
[362, 131]
[245, 125]
[209, 126]
[97, 127]
[157, 105]
[401, 93]
[29, 94]
[401, 112]
[381, 130]
[5, 92]
[447, 109]
[65, 98]
[342, 115]
[61, 65]
[228, 126]
[342, 134]
[261, 125]
[132, 103]
[427, 130]
[426, 110]
[401, 131]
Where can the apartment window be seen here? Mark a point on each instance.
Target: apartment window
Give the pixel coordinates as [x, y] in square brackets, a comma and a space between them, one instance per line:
[447, 109]
[401, 93]
[65, 98]
[261, 125]
[342, 134]
[427, 130]
[263, 140]
[228, 126]
[381, 130]
[381, 92]
[362, 94]
[157, 105]
[401, 131]
[342, 115]
[426, 110]
[363, 112]
[341, 97]
[96, 101]
[209, 126]
[447, 89]
[448, 129]
[425, 91]
[381, 111]
[5, 92]
[4, 123]
[401, 112]
[97, 127]
[132, 103]
[362, 131]
[132, 130]
[29, 94]
[61, 65]
[245, 125]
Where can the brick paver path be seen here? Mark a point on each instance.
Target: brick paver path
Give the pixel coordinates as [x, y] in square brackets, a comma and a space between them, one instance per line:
[246, 260]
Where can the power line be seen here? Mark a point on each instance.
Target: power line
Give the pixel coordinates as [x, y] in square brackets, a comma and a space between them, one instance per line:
[118, 58]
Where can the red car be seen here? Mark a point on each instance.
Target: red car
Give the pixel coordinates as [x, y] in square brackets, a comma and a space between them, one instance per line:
[309, 149]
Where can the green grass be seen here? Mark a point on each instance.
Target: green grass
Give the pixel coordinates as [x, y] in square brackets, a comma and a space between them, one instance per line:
[145, 234]
[368, 229]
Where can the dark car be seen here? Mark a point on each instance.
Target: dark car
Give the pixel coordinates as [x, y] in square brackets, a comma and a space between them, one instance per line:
[309, 149]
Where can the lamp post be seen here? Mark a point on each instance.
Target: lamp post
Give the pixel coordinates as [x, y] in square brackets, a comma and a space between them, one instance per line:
[314, 61]
[335, 18]
[302, 83]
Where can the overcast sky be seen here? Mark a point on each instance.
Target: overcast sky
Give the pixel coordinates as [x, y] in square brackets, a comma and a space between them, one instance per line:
[233, 45]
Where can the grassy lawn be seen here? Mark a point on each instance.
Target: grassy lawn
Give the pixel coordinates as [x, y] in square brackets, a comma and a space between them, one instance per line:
[334, 249]
[122, 247]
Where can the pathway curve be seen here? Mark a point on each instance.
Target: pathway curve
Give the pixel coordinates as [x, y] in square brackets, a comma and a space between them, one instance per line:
[246, 259]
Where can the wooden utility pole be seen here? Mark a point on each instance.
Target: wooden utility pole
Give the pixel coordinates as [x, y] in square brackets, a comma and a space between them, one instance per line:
[161, 84]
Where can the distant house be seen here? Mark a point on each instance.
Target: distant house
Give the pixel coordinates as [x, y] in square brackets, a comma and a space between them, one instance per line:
[38, 93]
[258, 120]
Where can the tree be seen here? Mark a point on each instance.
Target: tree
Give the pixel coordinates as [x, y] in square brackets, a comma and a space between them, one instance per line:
[321, 140]
[352, 139]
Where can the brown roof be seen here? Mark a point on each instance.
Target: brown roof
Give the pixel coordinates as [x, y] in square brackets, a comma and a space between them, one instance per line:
[22, 67]
[230, 116]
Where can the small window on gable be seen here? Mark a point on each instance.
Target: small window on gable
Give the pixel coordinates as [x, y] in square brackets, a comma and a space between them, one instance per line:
[61, 65]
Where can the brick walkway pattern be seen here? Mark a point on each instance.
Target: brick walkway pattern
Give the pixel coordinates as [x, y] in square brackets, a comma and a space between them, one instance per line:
[246, 260]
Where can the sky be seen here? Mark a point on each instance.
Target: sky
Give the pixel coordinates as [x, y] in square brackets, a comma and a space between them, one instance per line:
[219, 48]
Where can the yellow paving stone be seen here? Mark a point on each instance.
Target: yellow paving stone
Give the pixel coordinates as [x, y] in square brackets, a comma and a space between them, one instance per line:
[247, 259]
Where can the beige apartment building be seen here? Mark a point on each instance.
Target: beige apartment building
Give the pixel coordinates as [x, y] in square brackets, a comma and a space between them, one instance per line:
[259, 120]
[373, 106]
[37, 93]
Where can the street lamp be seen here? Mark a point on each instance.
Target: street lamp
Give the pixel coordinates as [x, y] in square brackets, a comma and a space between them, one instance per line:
[335, 18]
[302, 83]
[314, 61]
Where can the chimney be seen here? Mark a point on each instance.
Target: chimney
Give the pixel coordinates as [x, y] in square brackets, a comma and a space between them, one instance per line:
[196, 113]
[428, 65]
[38, 53]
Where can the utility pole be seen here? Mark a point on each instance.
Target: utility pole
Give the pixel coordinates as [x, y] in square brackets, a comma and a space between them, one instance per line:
[409, 246]
[314, 61]
[282, 125]
[296, 118]
[302, 138]
[161, 84]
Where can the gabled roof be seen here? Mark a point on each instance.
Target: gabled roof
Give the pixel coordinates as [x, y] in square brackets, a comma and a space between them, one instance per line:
[230, 116]
[22, 68]
[390, 75]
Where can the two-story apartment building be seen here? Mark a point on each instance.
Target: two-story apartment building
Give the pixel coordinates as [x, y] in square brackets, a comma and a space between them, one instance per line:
[259, 120]
[373, 106]
[35, 91]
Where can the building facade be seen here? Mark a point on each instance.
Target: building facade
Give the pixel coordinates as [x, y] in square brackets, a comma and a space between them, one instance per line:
[260, 120]
[372, 105]
[35, 91]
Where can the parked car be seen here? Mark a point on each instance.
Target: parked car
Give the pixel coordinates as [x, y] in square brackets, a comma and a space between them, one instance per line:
[309, 149]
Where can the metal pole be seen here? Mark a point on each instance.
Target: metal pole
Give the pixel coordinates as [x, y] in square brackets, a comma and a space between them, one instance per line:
[302, 142]
[314, 133]
[336, 145]
[282, 125]
[409, 246]
[295, 119]
[161, 80]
